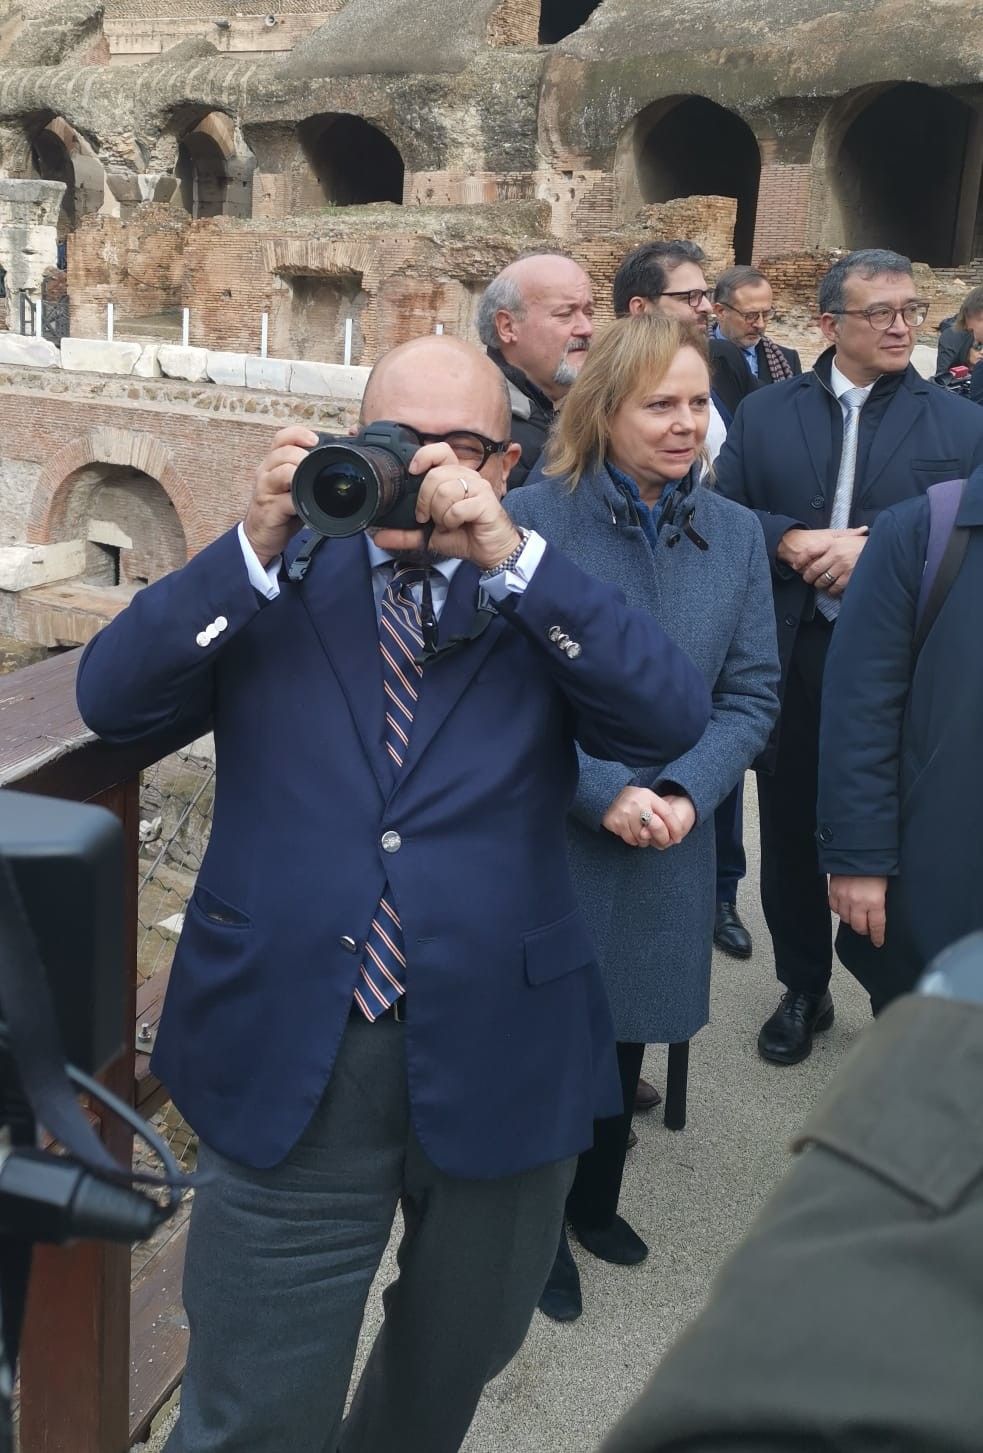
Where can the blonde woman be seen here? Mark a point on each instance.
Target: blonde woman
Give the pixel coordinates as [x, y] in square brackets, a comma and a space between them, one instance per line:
[622, 496]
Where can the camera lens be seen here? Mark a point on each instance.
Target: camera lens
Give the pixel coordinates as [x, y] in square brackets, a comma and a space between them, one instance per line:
[340, 489]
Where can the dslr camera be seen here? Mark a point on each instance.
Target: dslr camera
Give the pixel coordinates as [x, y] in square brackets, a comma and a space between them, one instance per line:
[347, 484]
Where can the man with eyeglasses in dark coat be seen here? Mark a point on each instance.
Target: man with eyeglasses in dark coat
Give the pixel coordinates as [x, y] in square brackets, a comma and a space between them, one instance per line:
[818, 457]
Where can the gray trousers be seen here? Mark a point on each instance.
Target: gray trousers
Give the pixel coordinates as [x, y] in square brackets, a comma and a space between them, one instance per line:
[280, 1262]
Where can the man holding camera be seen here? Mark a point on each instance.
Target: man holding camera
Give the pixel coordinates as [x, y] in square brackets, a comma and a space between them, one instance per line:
[384, 993]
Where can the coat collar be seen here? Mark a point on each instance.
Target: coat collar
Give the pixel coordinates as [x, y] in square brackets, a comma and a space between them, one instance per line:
[523, 383]
[971, 506]
[905, 402]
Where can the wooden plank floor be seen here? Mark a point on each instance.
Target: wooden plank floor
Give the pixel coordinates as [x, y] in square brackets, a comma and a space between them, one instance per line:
[158, 1326]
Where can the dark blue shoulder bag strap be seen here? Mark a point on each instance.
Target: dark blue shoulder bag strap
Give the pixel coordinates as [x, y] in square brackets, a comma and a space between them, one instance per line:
[943, 557]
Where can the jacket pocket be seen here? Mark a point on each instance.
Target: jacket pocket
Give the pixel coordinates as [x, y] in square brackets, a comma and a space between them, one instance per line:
[210, 906]
[557, 949]
[933, 471]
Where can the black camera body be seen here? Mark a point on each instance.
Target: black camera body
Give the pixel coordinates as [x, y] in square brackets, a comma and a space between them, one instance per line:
[347, 484]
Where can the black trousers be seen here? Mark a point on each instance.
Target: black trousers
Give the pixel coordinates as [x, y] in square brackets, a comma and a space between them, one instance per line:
[593, 1199]
[793, 888]
[728, 828]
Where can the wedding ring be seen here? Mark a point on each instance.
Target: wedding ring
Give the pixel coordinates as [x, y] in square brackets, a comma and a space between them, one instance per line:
[828, 578]
[646, 816]
[467, 487]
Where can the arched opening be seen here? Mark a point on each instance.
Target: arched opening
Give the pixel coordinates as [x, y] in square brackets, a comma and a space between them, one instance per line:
[691, 147]
[560, 18]
[906, 175]
[60, 154]
[353, 161]
[130, 527]
[214, 169]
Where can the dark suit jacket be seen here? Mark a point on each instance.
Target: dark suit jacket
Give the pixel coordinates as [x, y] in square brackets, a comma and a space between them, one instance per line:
[850, 1318]
[782, 454]
[901, 770]
[509, 1042]
[732, 379]
[532, 418]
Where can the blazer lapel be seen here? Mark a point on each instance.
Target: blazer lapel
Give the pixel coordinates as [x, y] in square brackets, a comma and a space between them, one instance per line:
[901, 415]
[813, 410]
[446, 678]
[337, 595]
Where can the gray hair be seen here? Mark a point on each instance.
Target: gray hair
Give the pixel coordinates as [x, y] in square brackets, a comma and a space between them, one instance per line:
[867, 263]
[733, 278]
[502, 295]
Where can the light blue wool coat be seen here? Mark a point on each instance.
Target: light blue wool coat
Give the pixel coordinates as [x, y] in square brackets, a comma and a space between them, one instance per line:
[651, 913]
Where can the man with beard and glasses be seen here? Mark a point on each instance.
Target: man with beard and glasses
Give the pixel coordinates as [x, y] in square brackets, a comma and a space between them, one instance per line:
[384, 975]
[536, 322]
[743, 303]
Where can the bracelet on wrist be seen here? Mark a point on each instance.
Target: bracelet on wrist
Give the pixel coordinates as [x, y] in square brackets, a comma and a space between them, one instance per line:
[512, 559]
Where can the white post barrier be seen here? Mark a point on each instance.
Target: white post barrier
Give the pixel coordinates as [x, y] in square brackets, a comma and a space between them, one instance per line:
[439, 328]
[110, 322]
[37, 319]
[185, 326]
[264, 335]
[348, 342]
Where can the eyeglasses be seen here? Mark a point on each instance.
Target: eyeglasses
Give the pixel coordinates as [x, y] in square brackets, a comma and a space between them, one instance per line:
[881, 316]
[759, 315]
[694, 297]
[470, 448]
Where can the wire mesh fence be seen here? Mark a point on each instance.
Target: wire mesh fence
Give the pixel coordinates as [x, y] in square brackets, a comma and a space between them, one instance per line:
[176, 799]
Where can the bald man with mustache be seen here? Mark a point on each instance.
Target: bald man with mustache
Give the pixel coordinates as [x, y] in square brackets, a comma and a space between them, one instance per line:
[384, 995]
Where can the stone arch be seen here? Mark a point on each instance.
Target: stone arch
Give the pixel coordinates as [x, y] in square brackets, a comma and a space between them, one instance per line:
[59, 153]
[353, 161]
[214, 168]
[688, 146]
[115, 452]
[560, 18]
[903, 163]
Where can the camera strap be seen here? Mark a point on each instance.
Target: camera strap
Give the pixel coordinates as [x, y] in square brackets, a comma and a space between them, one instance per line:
[301, 562]
[485, 612]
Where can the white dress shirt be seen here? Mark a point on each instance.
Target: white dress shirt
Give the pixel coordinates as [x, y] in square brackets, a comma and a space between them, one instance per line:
[839, 383]
[497, 586]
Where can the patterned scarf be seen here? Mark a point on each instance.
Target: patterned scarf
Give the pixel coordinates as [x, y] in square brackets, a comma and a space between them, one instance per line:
[778, 365]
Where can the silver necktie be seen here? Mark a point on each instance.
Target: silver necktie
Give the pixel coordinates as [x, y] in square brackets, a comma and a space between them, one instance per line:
[854, 400]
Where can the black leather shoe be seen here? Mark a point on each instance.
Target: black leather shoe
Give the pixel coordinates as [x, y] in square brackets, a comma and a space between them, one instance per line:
[617, 1243]
[729, 933]
[646, 1097]
[786, 1038]
[561, 1300]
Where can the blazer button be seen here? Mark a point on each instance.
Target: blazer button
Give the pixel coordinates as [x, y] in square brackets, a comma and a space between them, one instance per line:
[554, 633]
[790, 620]
[825, 834]
[348, 944]
[573, 650]
[391, 842]
[818, 501]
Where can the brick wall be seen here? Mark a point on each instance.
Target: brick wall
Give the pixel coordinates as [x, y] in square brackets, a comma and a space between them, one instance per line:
[137, 267]
[515, 22]
[201, 443]
[783, 208]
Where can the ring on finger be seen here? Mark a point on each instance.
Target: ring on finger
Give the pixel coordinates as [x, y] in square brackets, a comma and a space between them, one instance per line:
[645, 816]
[829, 577]
[466, 486]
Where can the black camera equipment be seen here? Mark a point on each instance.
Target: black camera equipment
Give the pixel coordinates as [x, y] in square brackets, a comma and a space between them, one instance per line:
[346, 484]
[61, 989]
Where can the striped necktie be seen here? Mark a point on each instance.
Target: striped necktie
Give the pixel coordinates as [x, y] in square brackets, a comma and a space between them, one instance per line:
[383, 970]
[854, 399]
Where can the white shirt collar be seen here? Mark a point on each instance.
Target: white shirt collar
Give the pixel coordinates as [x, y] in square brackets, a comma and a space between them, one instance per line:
[379, 557]
[839, 383]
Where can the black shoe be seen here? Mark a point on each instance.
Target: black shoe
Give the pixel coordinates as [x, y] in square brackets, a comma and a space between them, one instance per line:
[617, 1243]
[786, 1038]
[632, 1140]
[646, 1098]
[729, 933]
[561, 1300]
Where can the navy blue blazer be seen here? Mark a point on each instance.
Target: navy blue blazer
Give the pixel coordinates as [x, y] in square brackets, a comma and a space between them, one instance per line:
[781, 458]
[509, 1040]
[900, 765]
